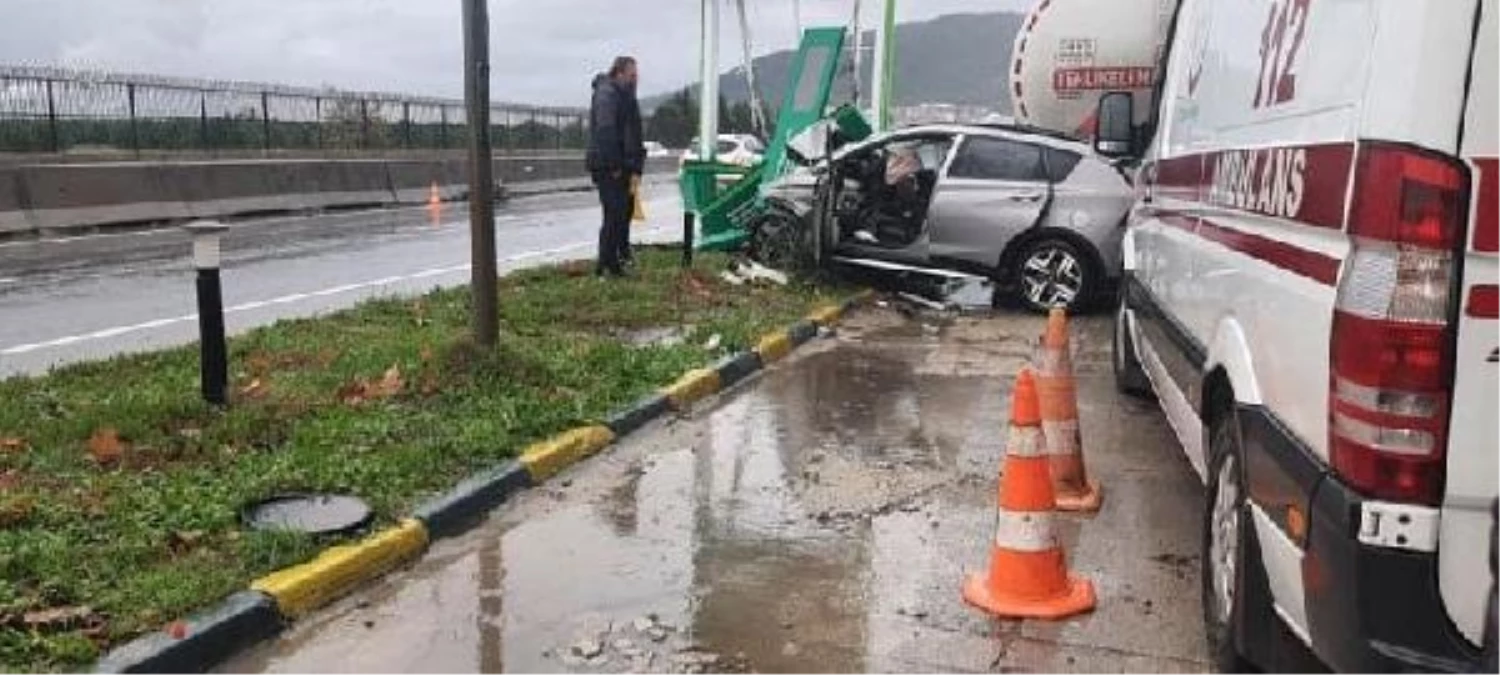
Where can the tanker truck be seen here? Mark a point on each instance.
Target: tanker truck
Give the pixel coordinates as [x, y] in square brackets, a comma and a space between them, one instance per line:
[1070, 52]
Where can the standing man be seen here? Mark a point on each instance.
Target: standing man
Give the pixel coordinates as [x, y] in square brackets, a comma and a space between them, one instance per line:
[616, 155]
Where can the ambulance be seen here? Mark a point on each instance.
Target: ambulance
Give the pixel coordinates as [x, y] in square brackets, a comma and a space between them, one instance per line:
[1310, 293]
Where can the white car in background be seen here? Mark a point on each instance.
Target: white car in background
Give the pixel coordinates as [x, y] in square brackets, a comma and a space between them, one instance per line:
[655, 149]
[742, 149]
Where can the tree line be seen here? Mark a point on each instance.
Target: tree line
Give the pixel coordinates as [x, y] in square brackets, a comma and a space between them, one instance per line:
[675, 122]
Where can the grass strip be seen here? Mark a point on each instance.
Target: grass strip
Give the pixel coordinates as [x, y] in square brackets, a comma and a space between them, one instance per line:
[120, 490]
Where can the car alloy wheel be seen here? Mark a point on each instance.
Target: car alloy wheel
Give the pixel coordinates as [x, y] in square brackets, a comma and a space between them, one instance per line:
[1051, 276]
[1224, 540]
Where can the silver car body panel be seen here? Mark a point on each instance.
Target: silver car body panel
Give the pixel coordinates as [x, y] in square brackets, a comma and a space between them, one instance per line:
[971, 222]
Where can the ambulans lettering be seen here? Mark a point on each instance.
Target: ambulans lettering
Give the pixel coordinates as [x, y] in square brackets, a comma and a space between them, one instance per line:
[1268, 181]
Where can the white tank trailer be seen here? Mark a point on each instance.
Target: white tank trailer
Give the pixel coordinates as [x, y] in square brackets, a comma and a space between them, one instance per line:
[1069, 52]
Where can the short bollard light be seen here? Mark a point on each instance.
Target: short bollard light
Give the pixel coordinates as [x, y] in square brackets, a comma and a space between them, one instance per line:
[213, 352]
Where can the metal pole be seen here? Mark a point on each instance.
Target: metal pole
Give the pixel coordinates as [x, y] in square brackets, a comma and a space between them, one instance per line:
[859, 57]
[203, 118]
[406, 123]
[265, 119]
[481, 186]
[135, 131]
[318, 115]
[757, 111]
[797, 19]
[443, 126]
[213, 353]
[557, 118]
[52, 119]
[883, 78]
[708, 87]
[511, 137]
[364, 124]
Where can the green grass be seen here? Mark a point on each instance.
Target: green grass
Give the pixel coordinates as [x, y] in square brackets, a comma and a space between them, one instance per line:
[146, 537]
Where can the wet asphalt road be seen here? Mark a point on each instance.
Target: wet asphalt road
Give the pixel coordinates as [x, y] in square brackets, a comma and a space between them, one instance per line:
[94, 296]
[819, 518]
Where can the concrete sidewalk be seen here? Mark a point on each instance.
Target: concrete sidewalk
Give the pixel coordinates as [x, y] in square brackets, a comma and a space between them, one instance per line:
[820, 518]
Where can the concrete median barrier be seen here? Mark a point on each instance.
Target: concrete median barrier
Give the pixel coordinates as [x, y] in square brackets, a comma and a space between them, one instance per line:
[67, 196]
[353, 183]
[412, 179]
[60, 197]
[534, 169]
[12, 207]
[216, 189]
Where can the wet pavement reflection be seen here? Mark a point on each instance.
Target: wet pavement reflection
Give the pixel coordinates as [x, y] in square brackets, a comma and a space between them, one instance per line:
[819, 519]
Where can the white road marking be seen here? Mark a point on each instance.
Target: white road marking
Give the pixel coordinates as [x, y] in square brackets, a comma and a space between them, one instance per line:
[290, 298]
[259, 222]
[157, 231]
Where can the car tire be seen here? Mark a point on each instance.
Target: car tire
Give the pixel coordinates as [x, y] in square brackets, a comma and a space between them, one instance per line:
[1050, 271]
[777, 238]
[1236, 595]
[1130, 377]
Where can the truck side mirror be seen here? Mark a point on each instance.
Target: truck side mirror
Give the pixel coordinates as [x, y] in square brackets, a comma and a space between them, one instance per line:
[1115, 118]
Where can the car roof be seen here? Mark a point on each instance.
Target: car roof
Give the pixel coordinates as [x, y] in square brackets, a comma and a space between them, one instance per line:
[1030, 134]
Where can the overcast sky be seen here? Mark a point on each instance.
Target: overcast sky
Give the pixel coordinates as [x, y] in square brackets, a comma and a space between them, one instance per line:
[542, 51]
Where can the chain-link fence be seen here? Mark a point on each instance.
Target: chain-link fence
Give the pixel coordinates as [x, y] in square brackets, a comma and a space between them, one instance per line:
[54, 110]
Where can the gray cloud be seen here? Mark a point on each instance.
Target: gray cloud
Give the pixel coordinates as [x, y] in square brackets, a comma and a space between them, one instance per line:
[542, 51]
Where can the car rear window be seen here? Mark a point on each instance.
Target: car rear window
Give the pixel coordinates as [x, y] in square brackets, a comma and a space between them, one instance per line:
[997, 159]
[1060, 163]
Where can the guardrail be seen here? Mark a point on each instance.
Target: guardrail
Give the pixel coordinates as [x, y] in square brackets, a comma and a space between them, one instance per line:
[97, 113]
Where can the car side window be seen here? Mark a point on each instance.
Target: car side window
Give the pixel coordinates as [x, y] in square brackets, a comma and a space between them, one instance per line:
[1060, 164]
[933, 152]
[988, 158]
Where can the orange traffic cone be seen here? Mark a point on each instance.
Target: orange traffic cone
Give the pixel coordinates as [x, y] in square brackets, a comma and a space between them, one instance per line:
[1059, 397]
[1028, 575]
[435, 204]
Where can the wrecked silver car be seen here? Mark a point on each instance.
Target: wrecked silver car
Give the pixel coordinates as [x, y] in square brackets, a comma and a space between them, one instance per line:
[1038, 214]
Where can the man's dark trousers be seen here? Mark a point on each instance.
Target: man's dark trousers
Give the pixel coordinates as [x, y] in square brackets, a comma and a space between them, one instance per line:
[614, 233]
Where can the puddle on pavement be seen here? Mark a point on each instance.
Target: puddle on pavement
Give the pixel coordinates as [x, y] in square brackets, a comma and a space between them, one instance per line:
[820, 520]
[754, 540]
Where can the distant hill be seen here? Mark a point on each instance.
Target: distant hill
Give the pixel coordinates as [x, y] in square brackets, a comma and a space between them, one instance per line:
[955, 58]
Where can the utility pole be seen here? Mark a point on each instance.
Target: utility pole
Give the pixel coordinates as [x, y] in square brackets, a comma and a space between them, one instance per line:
[859, 36]
[483, 281]
[757, 108]
[708, 89]
[797, 19]
[884, 74]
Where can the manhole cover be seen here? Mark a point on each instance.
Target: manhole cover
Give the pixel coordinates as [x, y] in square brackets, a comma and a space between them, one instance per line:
[311, 513]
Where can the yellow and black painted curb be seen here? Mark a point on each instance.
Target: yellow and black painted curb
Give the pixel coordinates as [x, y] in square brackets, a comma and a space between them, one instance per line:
[302, 588]
[545, 459]
[247, 617]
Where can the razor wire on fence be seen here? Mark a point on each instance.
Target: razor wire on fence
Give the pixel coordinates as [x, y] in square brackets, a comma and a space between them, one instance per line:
[57, 110]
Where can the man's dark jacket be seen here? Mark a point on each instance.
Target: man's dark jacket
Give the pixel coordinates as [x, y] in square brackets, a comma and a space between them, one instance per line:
[615, 142]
